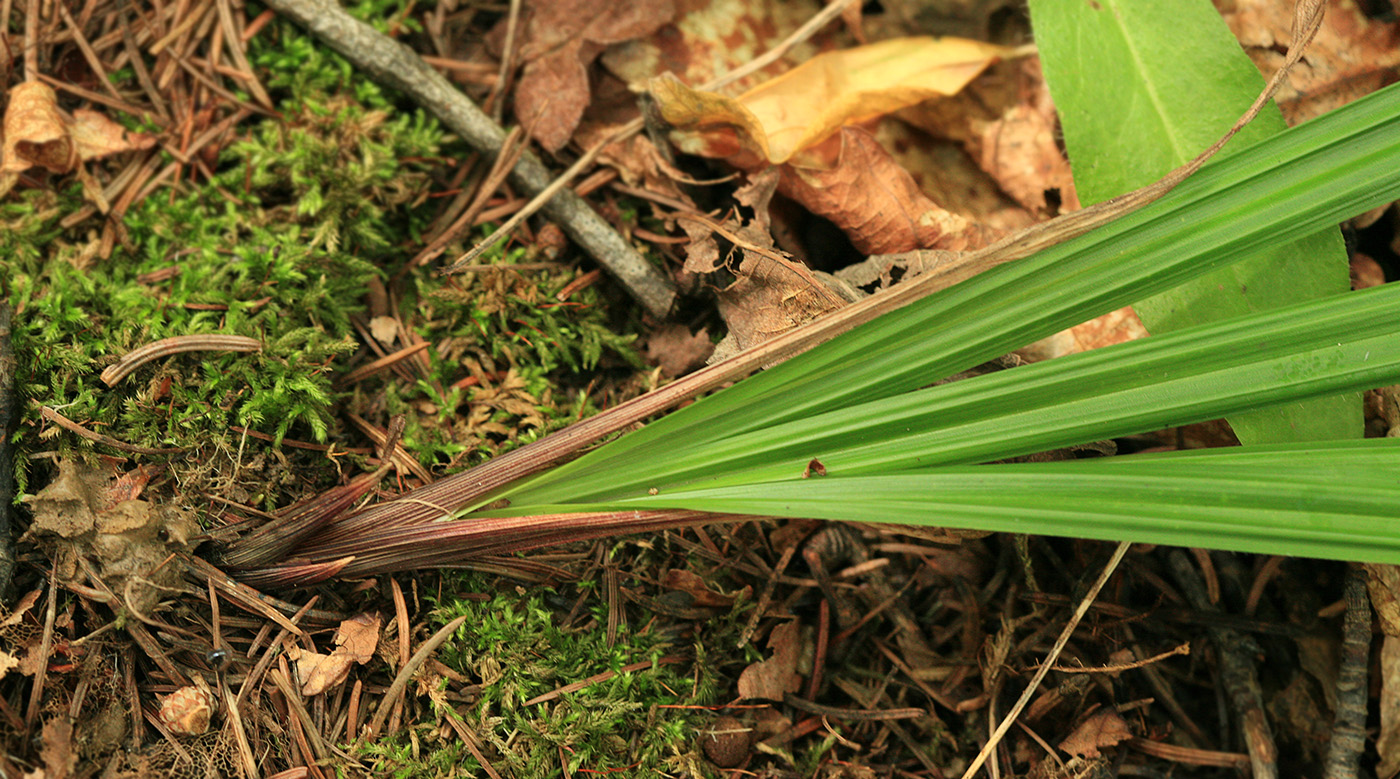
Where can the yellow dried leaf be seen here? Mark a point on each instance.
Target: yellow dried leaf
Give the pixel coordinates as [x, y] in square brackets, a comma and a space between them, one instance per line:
[95, 136]
[35, 133]
[789, 113]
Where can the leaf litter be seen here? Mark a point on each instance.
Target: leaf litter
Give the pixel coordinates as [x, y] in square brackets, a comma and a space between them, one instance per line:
[93, 530]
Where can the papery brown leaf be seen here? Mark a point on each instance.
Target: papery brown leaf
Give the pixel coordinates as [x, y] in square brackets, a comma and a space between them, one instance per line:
[695, 586]
[770, 679]
[873, 200]
[1115, 327]
[8, 662]
[35, 133]
[1020, 153]
[57, 752]
[356, 640]
[1103, 728]
[96, 136]
[676, 350]
[561, 38]
[800, 108]
[767, 300]
[1351, 56]
[713, 37]
[358, 636]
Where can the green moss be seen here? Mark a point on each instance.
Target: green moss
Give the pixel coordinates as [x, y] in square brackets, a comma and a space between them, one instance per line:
[513, 647]
[302, 212]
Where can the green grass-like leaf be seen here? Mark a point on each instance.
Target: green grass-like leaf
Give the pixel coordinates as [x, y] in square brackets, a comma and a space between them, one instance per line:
[895, 452]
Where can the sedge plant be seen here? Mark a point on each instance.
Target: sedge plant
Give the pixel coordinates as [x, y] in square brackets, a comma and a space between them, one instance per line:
[894, 446]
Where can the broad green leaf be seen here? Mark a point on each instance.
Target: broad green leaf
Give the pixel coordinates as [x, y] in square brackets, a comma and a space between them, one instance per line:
[1143, 87]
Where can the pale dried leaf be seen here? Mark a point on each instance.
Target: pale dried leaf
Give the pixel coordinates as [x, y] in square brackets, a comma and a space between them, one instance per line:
[561, 38]
[96, 136]
[1103, 728]
[35, 133]
[676, 350]
[861, 190]
[358, 636]
[770, 679]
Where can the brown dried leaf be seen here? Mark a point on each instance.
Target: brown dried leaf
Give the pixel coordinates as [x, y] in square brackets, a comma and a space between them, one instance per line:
[713, 37]
[1351, 56]
[25, 604]
[356, 640]
[358, 636]
[58, 754]
[35, 133]
[770, 679]
[676, 350]
[1103, 728]
[561, 38]
[809, 103]
[873, 200]
[1115, 327]
[767, 300]
[1019, 151]
[96, 136]
[1383, 585]
[8, 662]
[695, 586]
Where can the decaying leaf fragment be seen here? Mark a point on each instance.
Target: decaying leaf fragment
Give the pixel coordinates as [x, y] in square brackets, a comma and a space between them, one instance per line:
[796, 110]
[803, 121]
[127, 544]
[561, 38]
[36, 133]
[355, 639]
[769, 679]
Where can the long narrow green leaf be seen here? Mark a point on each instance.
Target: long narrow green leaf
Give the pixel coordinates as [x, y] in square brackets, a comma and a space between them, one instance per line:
[1137, 98]
[1289, 185]
[1347, 342]
[1275, 502]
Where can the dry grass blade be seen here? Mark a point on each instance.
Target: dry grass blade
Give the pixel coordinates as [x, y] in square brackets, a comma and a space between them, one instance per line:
[166, 347]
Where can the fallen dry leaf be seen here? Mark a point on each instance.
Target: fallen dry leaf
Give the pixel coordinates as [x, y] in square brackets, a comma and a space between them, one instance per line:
[37, 133]
[1115, 327]
[695, 586]
[8, 662]
[1103, 728]
[355, 639]
[24, 604]
[769, 299]
[561, 38]
[58, 754]
[676, 350]
[1383, 585]
[358, 636]
[770, 679]
[872, 199]
[712, 37]
[1351, 56]
[805, 105]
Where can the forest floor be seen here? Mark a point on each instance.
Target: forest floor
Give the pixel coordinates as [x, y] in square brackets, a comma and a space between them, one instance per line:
[223, 255]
